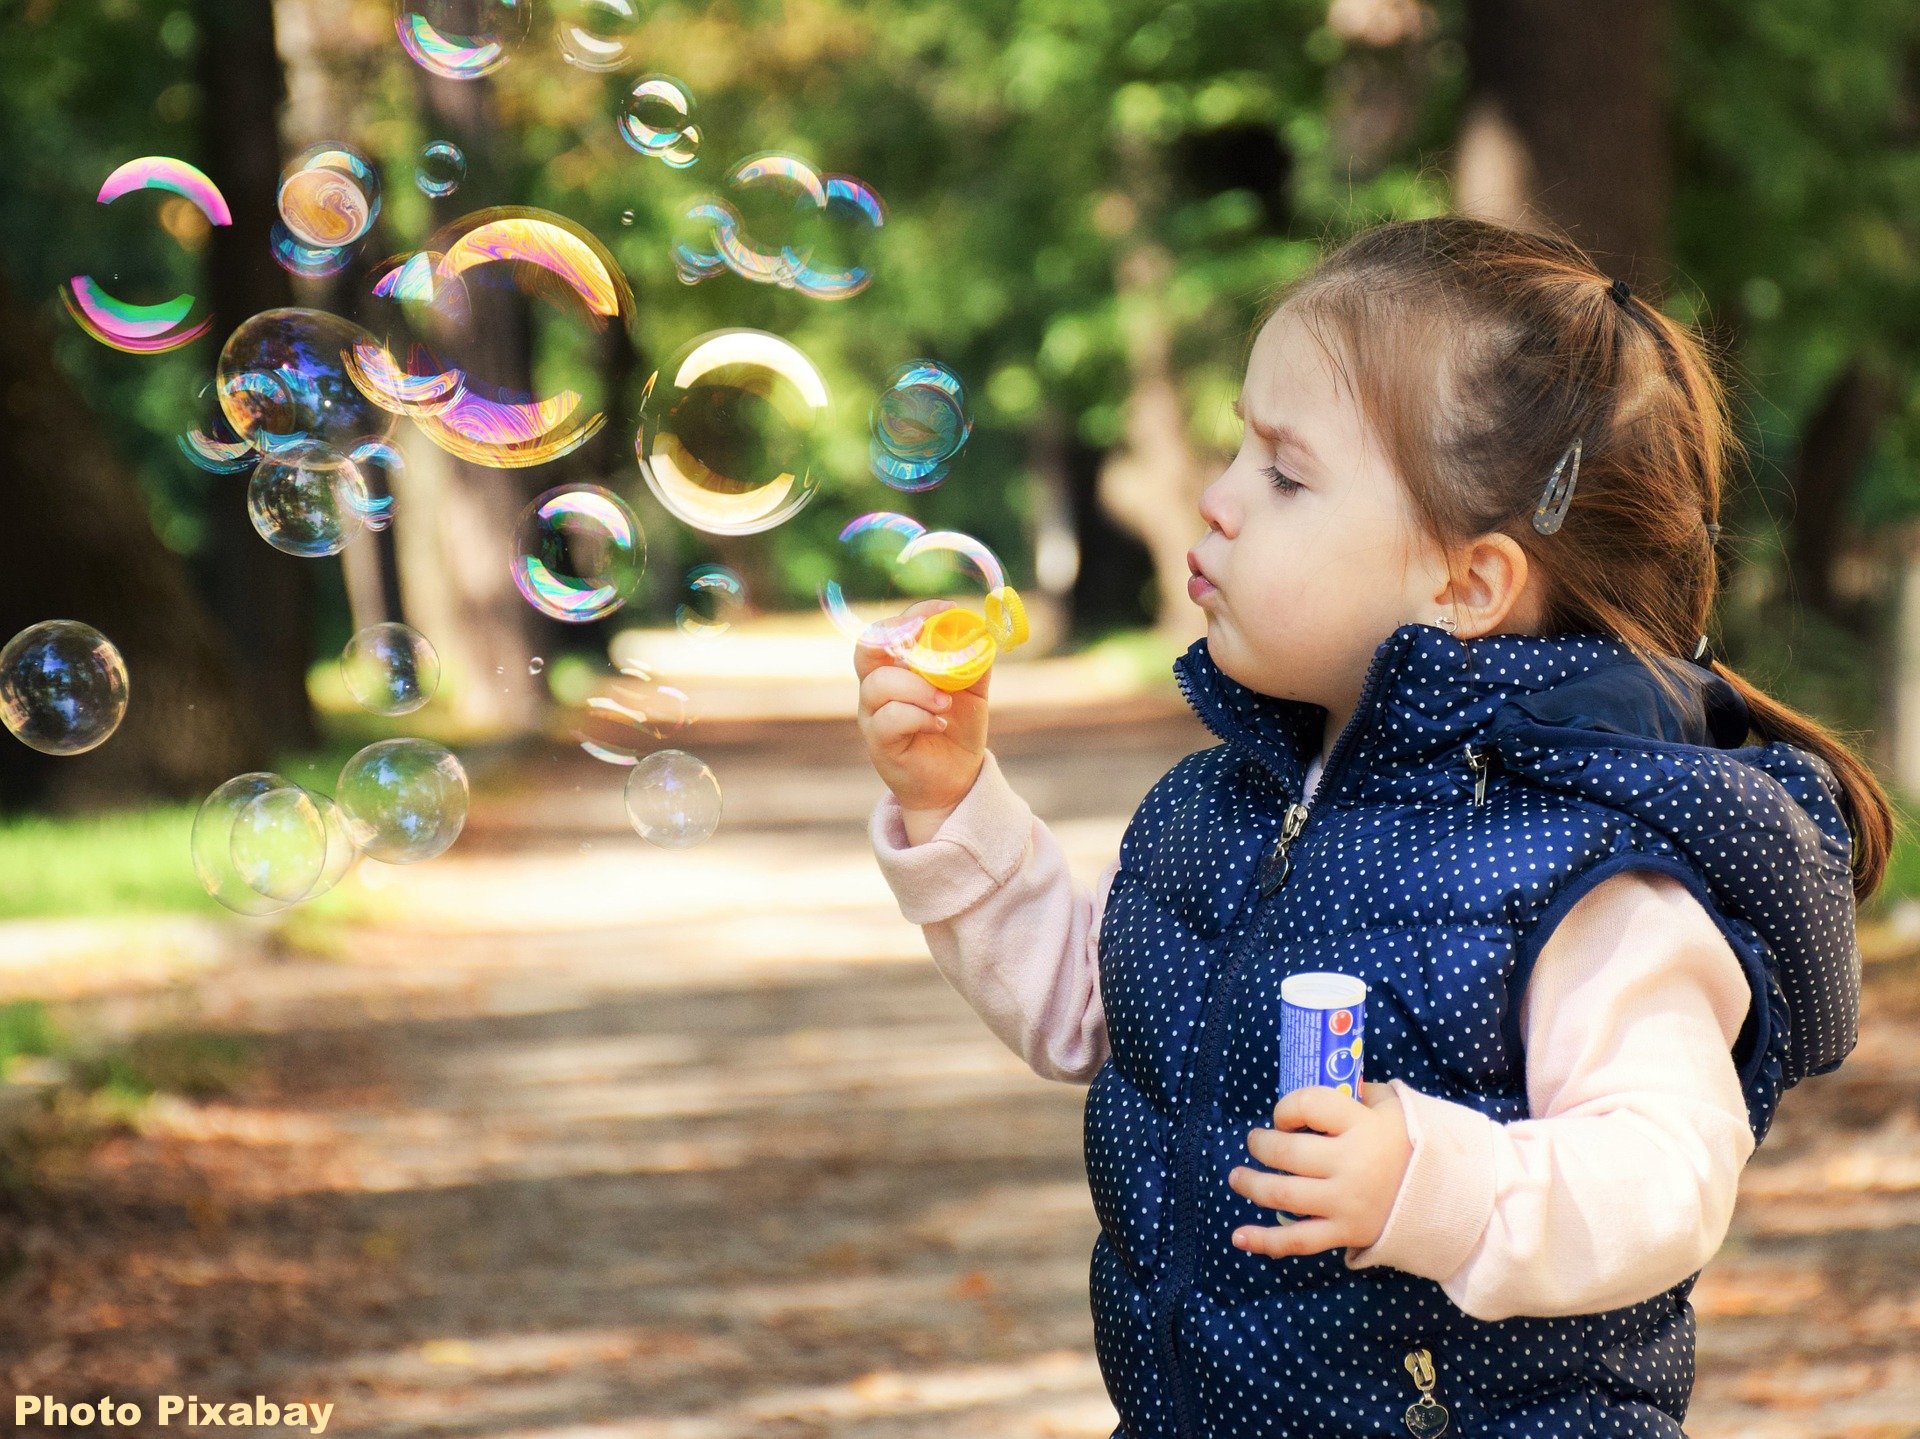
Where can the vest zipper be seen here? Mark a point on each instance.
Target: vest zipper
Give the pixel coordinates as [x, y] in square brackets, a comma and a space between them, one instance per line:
[1278, 863]
[1478, 764]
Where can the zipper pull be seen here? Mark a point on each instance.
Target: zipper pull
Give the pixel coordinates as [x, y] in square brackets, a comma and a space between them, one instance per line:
[1477, 762]
[1278, 864]
[1428, 1416]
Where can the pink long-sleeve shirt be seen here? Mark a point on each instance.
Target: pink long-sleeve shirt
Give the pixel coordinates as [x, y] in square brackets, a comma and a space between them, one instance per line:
[1620, 1185]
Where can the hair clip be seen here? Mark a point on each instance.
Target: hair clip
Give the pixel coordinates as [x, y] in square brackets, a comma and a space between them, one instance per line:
[1703, 653]
[1554, 499]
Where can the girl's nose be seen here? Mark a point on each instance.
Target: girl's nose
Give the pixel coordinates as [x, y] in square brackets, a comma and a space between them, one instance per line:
[1214, 506]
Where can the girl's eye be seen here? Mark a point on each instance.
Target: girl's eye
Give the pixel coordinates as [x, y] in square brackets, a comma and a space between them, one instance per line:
[1280, 482]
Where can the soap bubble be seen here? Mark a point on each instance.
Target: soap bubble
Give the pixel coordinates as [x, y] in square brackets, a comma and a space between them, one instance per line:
[631, 712]
[404, 799]
[778, 200]
[696, 243]
[714, 597]
[656, 120]
[445, 305]
[443, 165]
[578, 553]
[341, 850]
[727, 431]
[296, 257]
[146, 329]
[63, 687]
[858, 205]
[461, 39]
[212, 843]
[536, 665]
[278, 843]
[390, 669]
[211, 444]
[875, 539]
[307, 500]
[673, 799]
[329, 196]
[597, 34]
[379, 463]
[920, 423]
[282, 382]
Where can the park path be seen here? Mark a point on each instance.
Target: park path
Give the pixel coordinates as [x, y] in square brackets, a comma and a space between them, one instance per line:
[587, 1139]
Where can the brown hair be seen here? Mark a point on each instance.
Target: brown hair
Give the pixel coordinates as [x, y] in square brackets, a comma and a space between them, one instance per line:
[1478, 352]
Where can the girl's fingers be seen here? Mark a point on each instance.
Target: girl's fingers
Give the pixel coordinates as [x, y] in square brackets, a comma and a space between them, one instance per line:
[1297, 1153]
[1309, 1236]
[896, 720]
[1291, 1192]
[1319, 1108]
[893, 682]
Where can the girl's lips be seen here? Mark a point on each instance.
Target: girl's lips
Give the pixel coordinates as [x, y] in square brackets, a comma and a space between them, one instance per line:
[1199, 587]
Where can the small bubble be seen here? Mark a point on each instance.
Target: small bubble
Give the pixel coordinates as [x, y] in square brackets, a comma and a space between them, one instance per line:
[535, 665]
[627, 217]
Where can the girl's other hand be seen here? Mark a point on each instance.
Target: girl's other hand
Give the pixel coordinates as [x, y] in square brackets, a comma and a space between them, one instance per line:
[926, 745]
[1344, 1160]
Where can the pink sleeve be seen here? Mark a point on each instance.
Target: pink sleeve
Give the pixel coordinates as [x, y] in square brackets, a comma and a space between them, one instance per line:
[1005, 923]
[1623, 1182]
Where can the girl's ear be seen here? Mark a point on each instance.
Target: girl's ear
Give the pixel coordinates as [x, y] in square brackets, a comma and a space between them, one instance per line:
[1494, 587]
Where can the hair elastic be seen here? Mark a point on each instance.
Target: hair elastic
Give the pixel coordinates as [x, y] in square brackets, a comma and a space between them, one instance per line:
[1618, 289]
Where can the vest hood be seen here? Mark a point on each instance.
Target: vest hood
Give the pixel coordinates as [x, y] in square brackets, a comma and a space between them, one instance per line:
[1582, 716]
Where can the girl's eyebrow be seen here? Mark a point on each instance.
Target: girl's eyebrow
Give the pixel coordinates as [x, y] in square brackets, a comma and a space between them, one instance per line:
[1281, 437]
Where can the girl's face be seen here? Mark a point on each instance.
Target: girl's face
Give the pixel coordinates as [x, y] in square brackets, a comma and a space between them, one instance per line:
[1312, 555]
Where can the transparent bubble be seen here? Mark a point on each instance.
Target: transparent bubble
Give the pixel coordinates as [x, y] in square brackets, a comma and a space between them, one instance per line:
[282, 381]
[212, 843]
[211, 444]
[673, 799]
[443, 165]
[714, 598]
[329, 196]
[536, 665]
[146, 329]
[777, 201]
[728, 429]
[461, 39]
[630, 715]
[597, 34]
[307, 500]
[696, 240]
[627, 217]
[404, 799]
[63, 687]
[853, 214]
[444, 310]
[390, 669]
[278, 843]
[380, 463]
[920, 423]
[874, 540]
[578, 553]
[341, 849]
[656, 120]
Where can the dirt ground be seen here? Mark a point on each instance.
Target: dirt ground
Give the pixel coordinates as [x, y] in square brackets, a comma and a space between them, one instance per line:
[592, 1139]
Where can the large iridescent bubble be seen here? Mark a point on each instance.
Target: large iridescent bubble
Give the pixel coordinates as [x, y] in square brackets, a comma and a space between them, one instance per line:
[461, 39]
[728, 428]
[63, 687]
[405, 799]
[657, 120]
[578, 553]
[146, 329]
[435, 364]
[282, 381]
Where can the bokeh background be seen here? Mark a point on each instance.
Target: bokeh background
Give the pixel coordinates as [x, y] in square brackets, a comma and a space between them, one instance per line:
[563, 1133]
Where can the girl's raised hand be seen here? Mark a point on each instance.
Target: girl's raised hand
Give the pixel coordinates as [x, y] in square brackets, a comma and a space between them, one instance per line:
[926, 745]
[1344, 1160]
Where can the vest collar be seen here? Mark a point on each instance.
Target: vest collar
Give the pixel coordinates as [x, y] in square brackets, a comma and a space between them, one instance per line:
[1426, 693]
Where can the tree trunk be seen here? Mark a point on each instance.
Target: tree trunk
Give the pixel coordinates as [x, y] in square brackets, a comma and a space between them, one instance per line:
[262, 599]
[1566, 125]
[88, 552]
[1832, 454]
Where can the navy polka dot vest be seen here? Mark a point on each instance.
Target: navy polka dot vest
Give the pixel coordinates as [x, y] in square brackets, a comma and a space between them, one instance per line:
[1479, 790]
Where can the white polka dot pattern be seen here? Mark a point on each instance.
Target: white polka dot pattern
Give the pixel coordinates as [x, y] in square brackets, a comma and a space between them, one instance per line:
[1440, 904]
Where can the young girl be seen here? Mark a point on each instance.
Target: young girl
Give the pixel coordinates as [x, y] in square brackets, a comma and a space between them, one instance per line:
[1603, 898]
